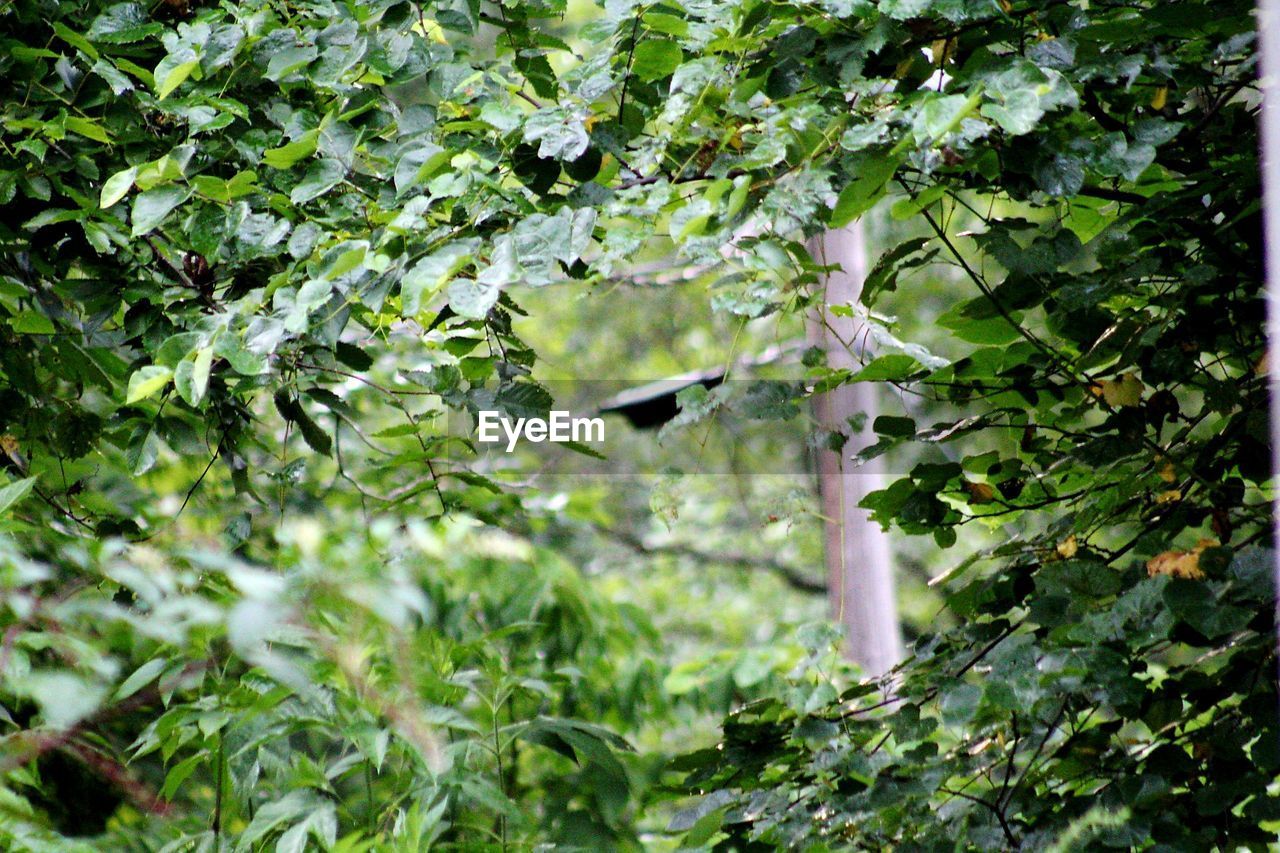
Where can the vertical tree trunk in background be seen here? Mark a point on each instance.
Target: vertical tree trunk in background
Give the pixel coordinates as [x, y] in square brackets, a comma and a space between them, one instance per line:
[1269, 46]
[859, 568]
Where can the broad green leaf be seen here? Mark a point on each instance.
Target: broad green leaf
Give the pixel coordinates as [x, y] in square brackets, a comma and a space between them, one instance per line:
[171, 73]
[419, 163]
[1018, 114]
[118, 82]
[151, 207]
[31, 322]
[867, 187]
[201, 367]
[560, 133]
[117, 187]
[655, 59]
[290, 153]
[471, 298]
[287, 61]
[146, 381]
[88, 129]
[320, 177]
[123, 23]
[14, 492]
[425, 278]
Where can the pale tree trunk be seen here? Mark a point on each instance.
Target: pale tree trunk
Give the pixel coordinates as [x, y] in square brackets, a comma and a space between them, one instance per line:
[1269, 44]
[859, 567]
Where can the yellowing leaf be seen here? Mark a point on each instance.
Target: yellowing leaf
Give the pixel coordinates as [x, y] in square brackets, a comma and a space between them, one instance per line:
[980, 493]
[1160, 98]
[1068, 547]
[938, 51]
[1167, 472]
[1124, 391]
[1180, 564]
[1171, 496]
[430, 28]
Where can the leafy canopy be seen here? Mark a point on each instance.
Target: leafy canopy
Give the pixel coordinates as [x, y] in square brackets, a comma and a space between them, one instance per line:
[237, 234]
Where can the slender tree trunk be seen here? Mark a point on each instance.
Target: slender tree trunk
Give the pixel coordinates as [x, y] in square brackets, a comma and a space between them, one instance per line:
[859, 567]
[1269, 45]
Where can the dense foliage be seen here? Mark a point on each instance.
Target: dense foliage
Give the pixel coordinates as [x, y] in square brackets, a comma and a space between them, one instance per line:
[254, 594]
[1113, 683]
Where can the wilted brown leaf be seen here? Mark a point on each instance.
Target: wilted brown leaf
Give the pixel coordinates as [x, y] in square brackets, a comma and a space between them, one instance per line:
[1180, 564]
[980, 493]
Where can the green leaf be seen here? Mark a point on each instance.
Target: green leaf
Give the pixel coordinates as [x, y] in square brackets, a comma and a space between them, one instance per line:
[472, 298]
[74, 39]
[1018, 114]
[151, 207]
[201, 367]
[140, 678]
[894, 426]
[146, 381]
[865, 190]
[14, 492]
[655, 59]
[291, 410]
[123, 23]
[425, 278]
[287, 61]
[88, 129]
[142, 451]
[117, 187]
[559, 132]
[894, 367]
[31, 322]
[171, 73]
[419, 163]
[290, 153]
[320, 177]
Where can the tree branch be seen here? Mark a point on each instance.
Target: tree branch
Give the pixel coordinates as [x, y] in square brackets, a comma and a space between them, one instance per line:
[792, 576]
